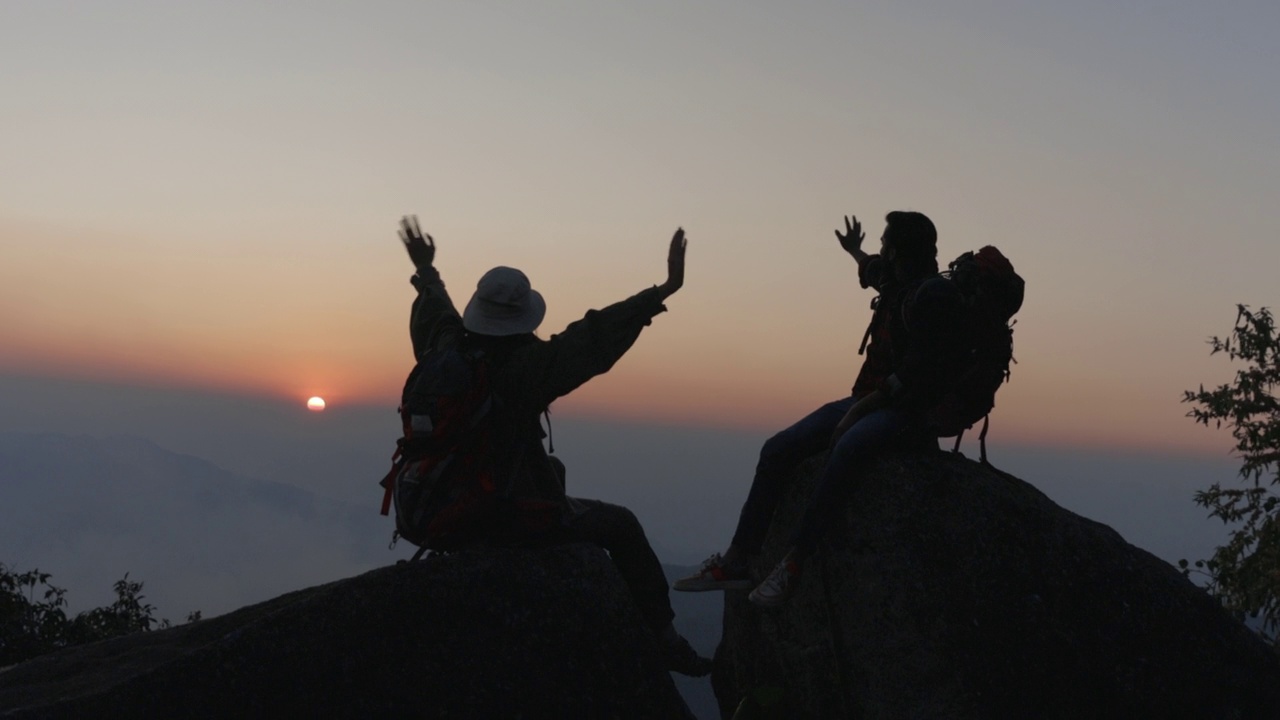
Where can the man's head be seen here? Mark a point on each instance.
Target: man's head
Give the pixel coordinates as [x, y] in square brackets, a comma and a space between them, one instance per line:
[504, 304]
[910, 242]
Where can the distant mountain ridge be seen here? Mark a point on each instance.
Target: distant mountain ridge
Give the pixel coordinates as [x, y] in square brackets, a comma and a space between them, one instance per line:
[125, 463]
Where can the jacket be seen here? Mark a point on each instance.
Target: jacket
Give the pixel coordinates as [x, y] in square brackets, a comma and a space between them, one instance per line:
[527, 374]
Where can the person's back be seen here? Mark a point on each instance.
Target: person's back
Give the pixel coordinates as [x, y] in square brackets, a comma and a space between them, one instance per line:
[526, 374]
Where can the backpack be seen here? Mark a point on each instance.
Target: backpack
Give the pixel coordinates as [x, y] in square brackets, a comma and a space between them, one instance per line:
[990, 294]
[442, 480]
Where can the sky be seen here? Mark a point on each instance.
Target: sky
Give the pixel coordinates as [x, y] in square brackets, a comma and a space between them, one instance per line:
[204, 196]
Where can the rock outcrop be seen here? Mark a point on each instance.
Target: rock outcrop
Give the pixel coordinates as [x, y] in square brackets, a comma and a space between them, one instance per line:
[493, 633]
[949, 590]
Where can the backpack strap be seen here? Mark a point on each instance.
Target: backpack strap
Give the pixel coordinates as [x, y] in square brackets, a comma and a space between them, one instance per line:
[982, 439]
[388, 481]
[871, 326]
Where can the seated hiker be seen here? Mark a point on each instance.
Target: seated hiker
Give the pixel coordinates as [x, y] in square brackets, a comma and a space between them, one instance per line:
[524, 374]
[896, 378]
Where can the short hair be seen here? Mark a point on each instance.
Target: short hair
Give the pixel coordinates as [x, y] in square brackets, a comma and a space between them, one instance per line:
[912, 235]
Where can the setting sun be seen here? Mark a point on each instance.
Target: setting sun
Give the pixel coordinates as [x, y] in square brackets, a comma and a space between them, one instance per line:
[315, 404]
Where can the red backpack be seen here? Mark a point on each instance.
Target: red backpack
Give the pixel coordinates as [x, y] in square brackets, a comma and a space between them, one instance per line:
[442, 482]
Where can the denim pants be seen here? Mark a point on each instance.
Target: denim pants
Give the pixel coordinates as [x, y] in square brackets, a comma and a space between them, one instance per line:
[778, 457]
[851, 455]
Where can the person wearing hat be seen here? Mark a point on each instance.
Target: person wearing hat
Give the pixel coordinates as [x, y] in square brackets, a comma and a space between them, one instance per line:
[898, 376]
[527, 373]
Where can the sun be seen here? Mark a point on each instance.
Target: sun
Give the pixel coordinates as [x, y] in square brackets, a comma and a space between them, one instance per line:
[315, 404]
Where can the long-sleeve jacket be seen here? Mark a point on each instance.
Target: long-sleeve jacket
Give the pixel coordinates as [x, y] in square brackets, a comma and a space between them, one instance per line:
[525, 380]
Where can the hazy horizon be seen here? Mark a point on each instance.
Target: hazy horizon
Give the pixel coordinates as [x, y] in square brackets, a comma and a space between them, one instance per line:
[686, 484]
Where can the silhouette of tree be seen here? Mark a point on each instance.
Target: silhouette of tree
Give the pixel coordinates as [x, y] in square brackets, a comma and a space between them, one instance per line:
[1245, 573]
[33, 618]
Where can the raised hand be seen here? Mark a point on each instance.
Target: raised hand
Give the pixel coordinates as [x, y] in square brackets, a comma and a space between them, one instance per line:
[421, 247]
[675, 264]
[852, 238]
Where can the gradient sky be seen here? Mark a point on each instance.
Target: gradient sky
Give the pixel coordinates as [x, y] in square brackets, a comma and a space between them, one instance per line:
[205, 194]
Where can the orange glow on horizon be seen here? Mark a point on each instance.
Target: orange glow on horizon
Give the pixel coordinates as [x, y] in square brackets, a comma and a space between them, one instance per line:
[763, 410]
[650, 388]
[268, 371]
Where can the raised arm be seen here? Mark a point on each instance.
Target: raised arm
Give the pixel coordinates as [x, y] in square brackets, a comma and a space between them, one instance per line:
[591, 346]
[433, 320]
[872, 270]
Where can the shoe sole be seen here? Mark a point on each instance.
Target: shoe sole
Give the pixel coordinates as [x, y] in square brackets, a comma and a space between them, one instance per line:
[767, 604]
[710, 585]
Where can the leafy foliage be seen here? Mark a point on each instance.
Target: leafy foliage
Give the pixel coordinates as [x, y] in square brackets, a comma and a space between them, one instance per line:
[33, 618]
[1245, 573]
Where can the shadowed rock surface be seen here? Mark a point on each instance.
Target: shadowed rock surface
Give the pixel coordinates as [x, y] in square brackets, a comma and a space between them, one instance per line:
[495, 633]
[947, 590]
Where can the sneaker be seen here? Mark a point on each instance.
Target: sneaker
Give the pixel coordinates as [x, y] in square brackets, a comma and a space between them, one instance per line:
[679, 656]
[715, 575]
[778, 586]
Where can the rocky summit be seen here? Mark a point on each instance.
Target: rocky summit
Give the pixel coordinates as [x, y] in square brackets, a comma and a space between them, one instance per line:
[497, 633]
[944, 589]
[948, 589]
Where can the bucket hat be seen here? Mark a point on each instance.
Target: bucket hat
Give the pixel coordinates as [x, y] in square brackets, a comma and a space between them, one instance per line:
[504, 303]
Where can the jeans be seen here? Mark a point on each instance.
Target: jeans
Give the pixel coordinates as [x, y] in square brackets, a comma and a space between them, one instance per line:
[778, 457]
[851, 455]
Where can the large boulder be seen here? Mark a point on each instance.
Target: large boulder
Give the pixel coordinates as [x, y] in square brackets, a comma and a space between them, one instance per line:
[486, 633]
[946, 589]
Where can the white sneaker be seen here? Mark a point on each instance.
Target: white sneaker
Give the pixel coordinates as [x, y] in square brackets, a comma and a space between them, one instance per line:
[778, 586]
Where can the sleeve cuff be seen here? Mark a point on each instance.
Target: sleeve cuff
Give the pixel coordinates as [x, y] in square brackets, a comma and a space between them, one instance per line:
[424, 277]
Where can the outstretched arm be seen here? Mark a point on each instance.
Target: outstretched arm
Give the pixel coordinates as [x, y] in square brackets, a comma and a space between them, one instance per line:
[433, 319]
[591, 346]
